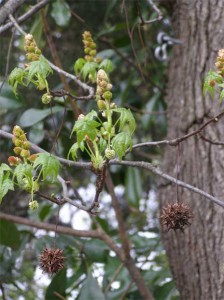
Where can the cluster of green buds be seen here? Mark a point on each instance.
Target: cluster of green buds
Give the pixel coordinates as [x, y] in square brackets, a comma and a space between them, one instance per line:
[103, 91]
[33, 205]
[89, 46]
[32, 51]
[220, 62]
[22, 146]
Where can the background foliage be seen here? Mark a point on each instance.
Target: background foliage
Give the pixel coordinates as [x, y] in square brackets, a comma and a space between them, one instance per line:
[139, 80]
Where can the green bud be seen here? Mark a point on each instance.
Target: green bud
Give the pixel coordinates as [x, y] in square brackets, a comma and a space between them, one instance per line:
[26, 145]
[101, 104]
[17, 131]
[25, 153]
[33, 205]
[107, 95]
[110, 153]
[46, 98]
[17, 150]
[92, 53]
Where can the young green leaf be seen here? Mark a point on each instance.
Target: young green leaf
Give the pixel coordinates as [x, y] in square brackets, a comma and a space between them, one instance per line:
[23, 171]
[106, 65]
[210, 80]
[6, 183]
[90, 68]
[39, 68]
[48, 165]
[86, 126]
[74, 149]
[16, 77]
[79, 64]
[126, 117]
[121, 142]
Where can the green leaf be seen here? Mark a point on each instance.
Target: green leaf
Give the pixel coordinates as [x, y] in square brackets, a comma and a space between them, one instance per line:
[6, 183]
[96, 250]
[126, 118]
[73, 151]
[211, 76]
[39, 68]
[8, 99]
[48, 165]
[9, 234]
[121, 142]
[44, 211]
[23, 171]
[86, 126]
[16, 77]
[133, 186]
[33, 116]
[57, 285]
[106, 65]
[79, 65]
[90, 68]
[61, 13]
[91, 290]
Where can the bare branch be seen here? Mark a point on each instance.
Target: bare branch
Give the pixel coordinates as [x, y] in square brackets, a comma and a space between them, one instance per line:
[26, 16]
[99, 234]
[157, 171]
[9, 8]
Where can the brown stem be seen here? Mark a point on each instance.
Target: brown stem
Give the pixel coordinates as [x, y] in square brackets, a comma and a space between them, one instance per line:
[128, 261]
[99, 234]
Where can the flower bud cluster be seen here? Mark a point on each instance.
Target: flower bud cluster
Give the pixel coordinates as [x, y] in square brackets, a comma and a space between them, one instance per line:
[89, 46]
[33, 205]
[103, 91]
[22, 146]
[32, 51]
[220, 62]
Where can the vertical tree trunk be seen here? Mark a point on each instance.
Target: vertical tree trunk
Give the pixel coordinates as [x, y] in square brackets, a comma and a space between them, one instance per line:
[197, 255]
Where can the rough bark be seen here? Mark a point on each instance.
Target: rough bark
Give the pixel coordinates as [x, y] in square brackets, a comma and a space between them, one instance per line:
[196, 256]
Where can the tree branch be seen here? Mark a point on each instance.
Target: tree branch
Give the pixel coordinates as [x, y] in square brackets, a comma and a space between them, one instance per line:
[157, 171]
[26, 16]
[9, 8]
[99, 234]
[138, 164]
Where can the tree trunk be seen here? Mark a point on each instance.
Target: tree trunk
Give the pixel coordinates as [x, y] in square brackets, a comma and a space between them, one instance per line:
[196, 256]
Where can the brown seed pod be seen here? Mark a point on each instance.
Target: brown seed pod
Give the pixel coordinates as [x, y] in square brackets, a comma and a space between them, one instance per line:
[52, 260]
[175, 216]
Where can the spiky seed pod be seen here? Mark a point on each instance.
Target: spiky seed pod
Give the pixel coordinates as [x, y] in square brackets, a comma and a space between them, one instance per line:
[175, 216]
[52, 260]
[33, 205]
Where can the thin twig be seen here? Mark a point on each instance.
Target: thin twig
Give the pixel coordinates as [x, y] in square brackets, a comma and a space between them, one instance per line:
[157, 171]
[26, 16]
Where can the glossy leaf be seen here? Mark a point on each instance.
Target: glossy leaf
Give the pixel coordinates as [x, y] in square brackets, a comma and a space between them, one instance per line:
[91, 290]
[9, 234]
[39, 68]
[96, 250]
[33, 116]
[79, 64]
[90, 68]
[57, 286]
[61, 13]
[107, 65]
